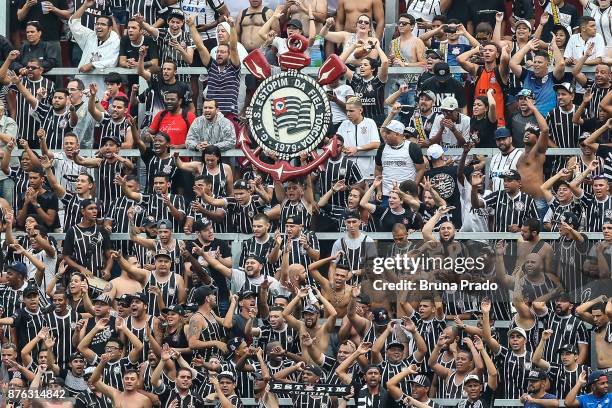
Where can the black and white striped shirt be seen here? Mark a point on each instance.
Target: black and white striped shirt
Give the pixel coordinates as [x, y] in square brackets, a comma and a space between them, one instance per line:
[564, 380]
[288, 337]
[114, 370]
[218, 227]
[500, 163]
[262, 249]
[219, 180]
[89, 399]
[117, 213]
[168, 52]
[223, 86]
[156, 208]
[241, 216]
[582, 166]
[430, 330]
[142, 335]
[109, 128]
[150, 10]
[335, 170]
[510, 210]
[597, 93]
[556, 210]
[297, 253]
[72, 209]
[563, 132]
[155, 165]
[570, 255]
[55, 124]
[168, 289]
[62, 328]
[289, 209]
[86, 246]
[107, 190]
[513, 370]
[212, 332]
[28, 124]
[27, 324]
[595, 211]
[566, 330]
[20, 183]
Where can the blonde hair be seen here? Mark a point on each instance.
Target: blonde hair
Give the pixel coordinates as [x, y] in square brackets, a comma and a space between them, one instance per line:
[354, 100]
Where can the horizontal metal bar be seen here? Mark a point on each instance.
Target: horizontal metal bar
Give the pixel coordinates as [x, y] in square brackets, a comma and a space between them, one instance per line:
[381, 236]
[481, 151]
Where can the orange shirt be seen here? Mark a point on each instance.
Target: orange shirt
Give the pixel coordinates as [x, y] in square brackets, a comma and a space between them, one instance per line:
[488, 81]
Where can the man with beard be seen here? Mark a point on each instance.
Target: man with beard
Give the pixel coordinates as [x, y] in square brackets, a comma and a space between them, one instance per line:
[111, 122]
[174, 120]
[512, 360]
[275, 331]
[562, 201]
[603, 150]
[598, 312]
[145, 326]
[181, 392]
[563, 132]
[160, 203]
[531, 164]
[308, 374]
[158, 85]
[599, 396]
[450, 247]
[129, 397]
[33, 81]
[530, 243]
[301, 246]
[211, 129]
[310, 317]
[580, 162]
[38, 201]
[205, 328]
[87, 245]
[85, 190]
[335, 290]
[372, 394]
[597, 206]
[62, 322]
[536, 395]
[520, 119]
[565, 372]
[261, 244]
[225, 391]
[163, 241]
[423, 118]
[74, 375]
[56, 118]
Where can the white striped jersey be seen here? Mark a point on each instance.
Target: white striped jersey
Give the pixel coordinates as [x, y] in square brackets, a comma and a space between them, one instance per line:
[218, 227]
[62, 328]
[570, 256]
[562, 379]
[28, 124]
[587, 187]
[563, 132]
[110, 128]
[425, 9]
[605, 152]
[288, 337]
[513, 370]
[20, 183]
[168, 289]
[430, 330]
[603, 21]
[556, 210]
[204, 12]
[107, 190]
[291, 209]
[500, 163]
[167, 52]
[597, 93]
[155, 207]
[510, 210]
[150, 10]
[596, 211]
[155, 164]
[335, 170]
[241, 216]
[219, 180]
[566, 330]
[254, 246]
[56, 124]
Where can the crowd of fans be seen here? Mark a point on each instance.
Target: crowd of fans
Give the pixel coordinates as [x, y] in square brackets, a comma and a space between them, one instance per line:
[116, 292]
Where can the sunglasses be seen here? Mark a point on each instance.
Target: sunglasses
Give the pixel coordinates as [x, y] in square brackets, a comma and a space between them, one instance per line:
[32, 68]
[366, 22]
[404, 23]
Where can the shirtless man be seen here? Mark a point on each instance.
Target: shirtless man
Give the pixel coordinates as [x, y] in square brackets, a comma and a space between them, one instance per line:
[531, 164]
[335, 290]
[250, 20]
[298, 9]
[309, 324]
[600, 316]
[124, 284]
[349, 10]
[130, 397]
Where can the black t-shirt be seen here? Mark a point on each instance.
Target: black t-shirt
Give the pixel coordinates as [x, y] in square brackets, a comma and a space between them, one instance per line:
[486, 399]
[50, 22]
[388, 218]
[451, 87]
[372, 95]
[592, 124]
[568, 11]
[484, 130]
[220, 281]
[444, 180]
[48, 201]
[99, 8]
[129, 50]
[605, 152]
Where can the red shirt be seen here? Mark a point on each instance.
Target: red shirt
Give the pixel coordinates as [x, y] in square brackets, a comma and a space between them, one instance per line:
[174, 125]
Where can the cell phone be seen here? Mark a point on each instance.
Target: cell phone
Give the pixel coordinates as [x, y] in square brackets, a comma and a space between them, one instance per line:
[589, 83]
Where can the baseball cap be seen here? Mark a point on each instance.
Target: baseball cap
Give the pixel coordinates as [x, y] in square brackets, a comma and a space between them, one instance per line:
[57, 381]
[76, 356]
[381, 317]
[410, 131]
[233, 345]
[433, 53]
[246, 293]
[569, 348]
[511, 175]
[124, 299]
[442, 71]
[428, 94]
[502, 133]
[258, 376]
[471, 377]
[111, 138]
[518, 330]
[164, 224]
[176, 13]
[435, 151]
[201, 224]
[149, 221]
[395, 343]
[174, 309]
[526, 22]
[570, 218]
[163, 252]
[565, 86]
[294, 219]
[241, 185]
[449, 104]
[311, 309]
[226, 374]
[88, 372]
[421, 380]
[103, 299]
[316, 370]
[525, 93]
[395, 126]
[595, 375]
[295, 23]
[18, 267]
[143, 297]
[536, 374]
[257, 258]
[584, 136]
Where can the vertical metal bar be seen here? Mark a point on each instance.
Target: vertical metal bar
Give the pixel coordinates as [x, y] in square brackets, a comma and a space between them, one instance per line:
[391, 7]
[4, 5]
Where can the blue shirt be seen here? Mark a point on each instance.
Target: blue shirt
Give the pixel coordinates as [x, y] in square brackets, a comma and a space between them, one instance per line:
[545, 96]
[591, 401]
[546, 396]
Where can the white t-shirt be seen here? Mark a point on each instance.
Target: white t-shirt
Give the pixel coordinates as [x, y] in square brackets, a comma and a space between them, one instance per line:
[501, 163]
[603, 21]
[576, 46]
[474, 219]
[448, 138]
[360, 134]
[49, 262]
[343, 92]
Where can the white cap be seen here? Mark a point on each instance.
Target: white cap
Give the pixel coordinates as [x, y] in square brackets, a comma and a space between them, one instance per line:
[435, 151]
[526, 22]
[518, 330]
[395, 126]
[449, 104]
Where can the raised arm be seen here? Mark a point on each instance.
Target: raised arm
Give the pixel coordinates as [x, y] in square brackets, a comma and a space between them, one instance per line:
[91, 105]
[559, 68]
[517, 59]
[486, 327]
[365, 200]
[59, 190]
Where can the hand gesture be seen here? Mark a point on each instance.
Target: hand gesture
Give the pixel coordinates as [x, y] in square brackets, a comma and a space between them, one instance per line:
[478, 343]
[93, 89]
[105, 358]
[142, 51]
[499, 16]
[43, 333]
[339, 186]
[485, 306]
[408, 324]
[45, 162]
[356, 291]
[329, 23]
[102, 323]
[49, 341]
[119, 323]
[364, 348]
[12, 77]
[589, 51]
[302, 292]
[13, 55]
[190, 21]
[546, 334]
[278, 13]
[544, 18]
[582, 378]
[477, 178]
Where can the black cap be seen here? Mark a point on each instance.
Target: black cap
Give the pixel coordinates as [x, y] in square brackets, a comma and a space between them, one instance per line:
[163, 252]
[257, 258]
[57, 381]
[76, 356]
[149, 221]
[164, 224]
[200, 293]
[568, 348]
[570, 218]
[18, 267]
[395, 344]
[143, 297]
[241, 185]
[226, 374]
[190, 307]
[199, 225]
[30, 290]
[295, 23]
[442, 71]
[511, 175]
[316, 370]
[233, 345]
[536, 374]
[246, 293]
[176, 13]
[124, 299]
[312, 309]
[111, 138]
[174, 309]
[433, 52]
[294, 219]
[381, 317]
[421, 380]
[584, 136]
[103, 299]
